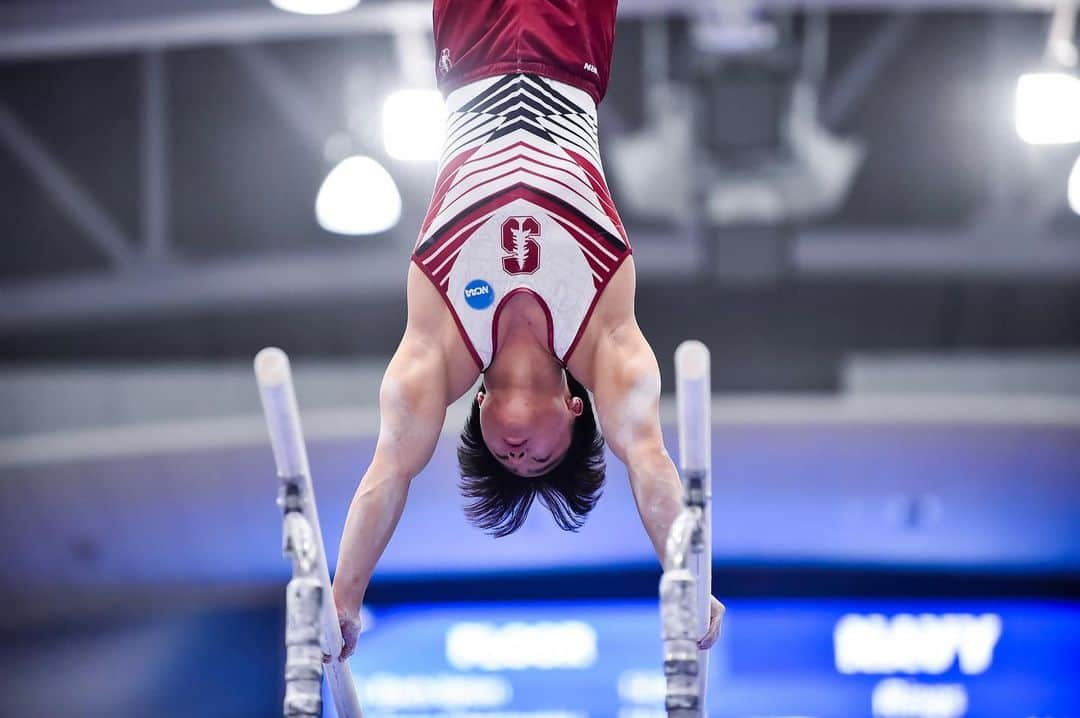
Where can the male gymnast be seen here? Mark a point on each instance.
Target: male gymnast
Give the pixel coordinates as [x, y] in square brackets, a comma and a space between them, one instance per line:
[522, 273]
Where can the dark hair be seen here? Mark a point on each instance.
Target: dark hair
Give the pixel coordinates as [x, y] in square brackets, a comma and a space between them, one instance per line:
[499, 499]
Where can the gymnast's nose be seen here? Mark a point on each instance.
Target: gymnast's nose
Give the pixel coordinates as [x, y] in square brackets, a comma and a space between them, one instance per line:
[515, 449]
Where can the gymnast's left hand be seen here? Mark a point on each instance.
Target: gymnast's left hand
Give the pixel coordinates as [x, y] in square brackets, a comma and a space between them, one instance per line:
[716, 619]
[349, 620]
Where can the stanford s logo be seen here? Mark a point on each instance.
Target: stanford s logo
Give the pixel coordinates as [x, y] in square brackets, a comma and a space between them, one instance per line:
[519, 235]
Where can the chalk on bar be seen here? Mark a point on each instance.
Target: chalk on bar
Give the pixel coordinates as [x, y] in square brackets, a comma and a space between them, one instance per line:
[692, 360]
[274, 377]
[271, 367]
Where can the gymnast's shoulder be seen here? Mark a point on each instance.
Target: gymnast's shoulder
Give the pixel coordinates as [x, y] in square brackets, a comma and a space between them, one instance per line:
[432, 339]
[612, 334]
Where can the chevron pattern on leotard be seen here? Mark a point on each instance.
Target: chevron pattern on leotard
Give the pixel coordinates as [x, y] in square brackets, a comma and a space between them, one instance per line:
[521, 136]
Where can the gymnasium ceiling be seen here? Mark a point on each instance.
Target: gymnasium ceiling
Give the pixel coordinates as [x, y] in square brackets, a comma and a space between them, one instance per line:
[164, 209]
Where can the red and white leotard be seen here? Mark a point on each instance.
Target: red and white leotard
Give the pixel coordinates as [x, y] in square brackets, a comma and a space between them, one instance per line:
[565, 40]
[520, 202]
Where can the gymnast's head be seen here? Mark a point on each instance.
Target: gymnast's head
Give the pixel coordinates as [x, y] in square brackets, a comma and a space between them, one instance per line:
[520, 443]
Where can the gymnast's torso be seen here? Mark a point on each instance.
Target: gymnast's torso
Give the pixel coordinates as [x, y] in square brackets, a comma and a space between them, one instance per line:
[521, 208]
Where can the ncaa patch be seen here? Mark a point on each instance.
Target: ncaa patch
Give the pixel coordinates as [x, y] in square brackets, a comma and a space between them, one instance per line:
[479, 294]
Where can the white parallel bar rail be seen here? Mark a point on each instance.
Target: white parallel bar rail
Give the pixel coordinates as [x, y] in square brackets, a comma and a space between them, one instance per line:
[274, 377]
[694, 399]
[685, 589]
[693, 393]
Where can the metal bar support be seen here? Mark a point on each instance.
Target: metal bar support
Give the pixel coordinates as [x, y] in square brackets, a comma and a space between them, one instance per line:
[311, 608]
[686, 586]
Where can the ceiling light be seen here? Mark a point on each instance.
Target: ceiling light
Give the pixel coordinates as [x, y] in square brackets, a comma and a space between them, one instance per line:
[315, 7]
[1048, 108]
[414, 125]
[358, 197]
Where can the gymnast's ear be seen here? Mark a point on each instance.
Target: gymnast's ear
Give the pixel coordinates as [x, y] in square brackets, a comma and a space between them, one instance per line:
[575, 405]
[480, 398]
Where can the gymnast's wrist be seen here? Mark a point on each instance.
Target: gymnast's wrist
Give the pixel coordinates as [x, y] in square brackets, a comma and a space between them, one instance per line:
[348, 597]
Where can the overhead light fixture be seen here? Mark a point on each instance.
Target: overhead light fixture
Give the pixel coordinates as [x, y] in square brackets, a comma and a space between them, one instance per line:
[358, 197]
[315, 7]
[733, 27]
[414, 125]
[1048, 108]
[1074, 187]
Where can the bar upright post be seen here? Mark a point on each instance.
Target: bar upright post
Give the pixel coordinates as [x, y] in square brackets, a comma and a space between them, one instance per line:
[686, 586]
[309, 596]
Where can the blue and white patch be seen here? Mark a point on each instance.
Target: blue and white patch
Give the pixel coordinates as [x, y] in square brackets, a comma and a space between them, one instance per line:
[479, 294]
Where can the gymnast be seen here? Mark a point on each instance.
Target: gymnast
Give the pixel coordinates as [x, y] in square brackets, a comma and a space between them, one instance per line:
[522, 273]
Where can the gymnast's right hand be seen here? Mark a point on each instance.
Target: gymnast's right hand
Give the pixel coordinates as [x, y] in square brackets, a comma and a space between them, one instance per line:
[349, 620]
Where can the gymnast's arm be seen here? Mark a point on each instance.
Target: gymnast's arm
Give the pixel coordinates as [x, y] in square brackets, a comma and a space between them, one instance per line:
[429, 370]
[627, 394]
[412, 406]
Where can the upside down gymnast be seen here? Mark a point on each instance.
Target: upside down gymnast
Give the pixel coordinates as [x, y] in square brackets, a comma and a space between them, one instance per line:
[522, 273]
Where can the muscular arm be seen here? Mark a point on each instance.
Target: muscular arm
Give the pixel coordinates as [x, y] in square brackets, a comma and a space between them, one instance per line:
[627, 394]
[429, 370]
[412, 405]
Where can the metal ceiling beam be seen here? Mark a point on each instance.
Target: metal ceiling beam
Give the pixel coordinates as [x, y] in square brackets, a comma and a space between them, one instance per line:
[154, 156]
[975, 254]
[658, 7]
[287, 96]
[861, 72]
[29, 38]
[172, 288]
[64, 189]
[359, 272]
[175, 288]
[39, 31]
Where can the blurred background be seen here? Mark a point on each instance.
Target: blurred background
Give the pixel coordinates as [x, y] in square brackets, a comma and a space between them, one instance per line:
[868, 209]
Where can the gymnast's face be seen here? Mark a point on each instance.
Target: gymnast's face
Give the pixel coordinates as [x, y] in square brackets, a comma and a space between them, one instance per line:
[527, 431]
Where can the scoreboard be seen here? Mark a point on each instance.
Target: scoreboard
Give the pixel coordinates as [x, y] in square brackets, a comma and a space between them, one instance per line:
[790, 657]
